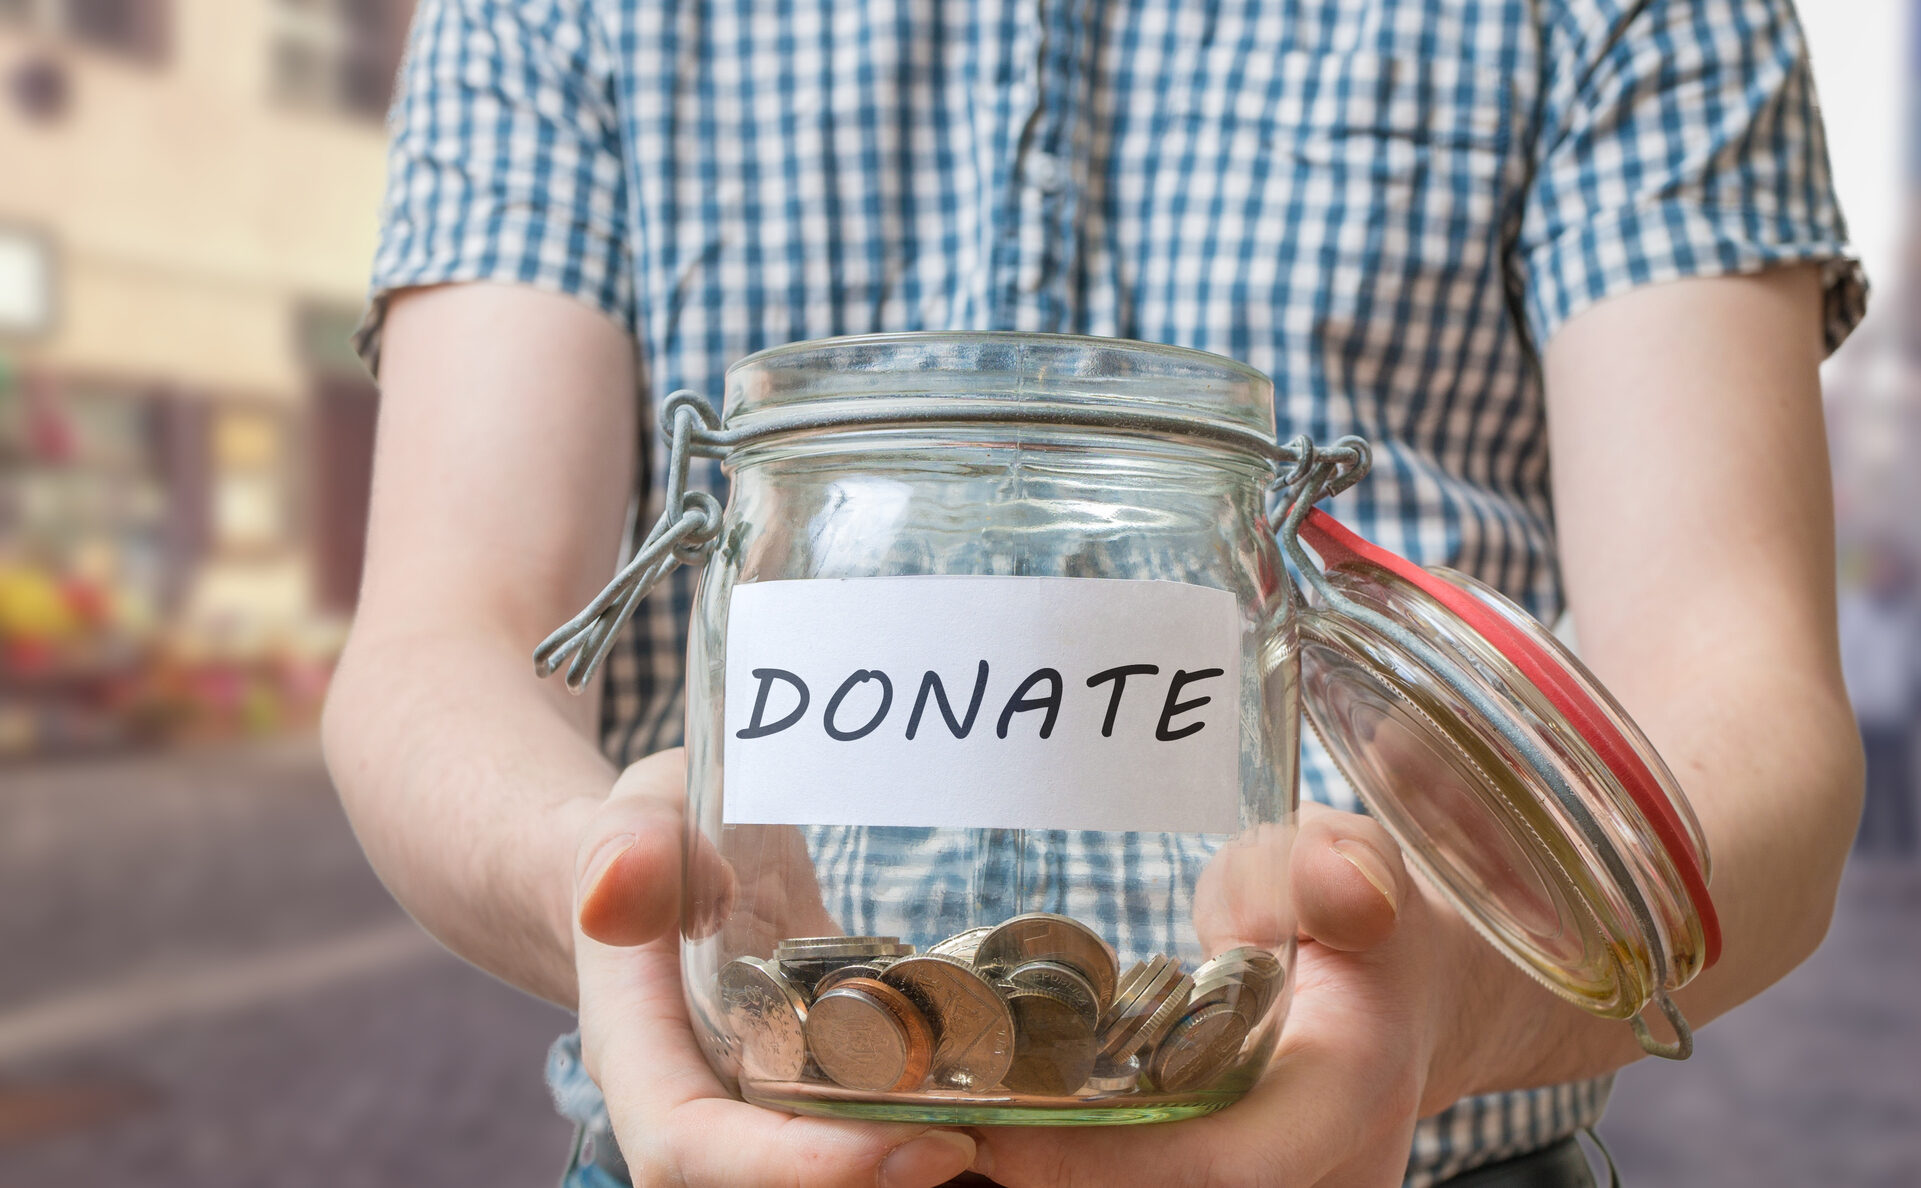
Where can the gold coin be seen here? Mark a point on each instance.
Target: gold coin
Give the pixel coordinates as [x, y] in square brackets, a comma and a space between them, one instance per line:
[1199, 1049]
[973, 1028]
[1053, 1043]
[768, 1017]
[866, 1035]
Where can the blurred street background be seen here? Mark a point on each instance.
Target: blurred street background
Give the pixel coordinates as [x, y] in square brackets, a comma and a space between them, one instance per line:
[201, 983]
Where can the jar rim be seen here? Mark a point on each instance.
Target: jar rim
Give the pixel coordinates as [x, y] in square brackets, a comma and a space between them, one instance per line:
[1006, 366]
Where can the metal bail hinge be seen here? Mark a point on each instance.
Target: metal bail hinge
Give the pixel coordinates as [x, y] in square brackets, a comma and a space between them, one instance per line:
[685, 533]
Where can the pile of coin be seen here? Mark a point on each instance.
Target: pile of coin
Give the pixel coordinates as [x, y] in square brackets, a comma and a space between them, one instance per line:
[1036, 1005]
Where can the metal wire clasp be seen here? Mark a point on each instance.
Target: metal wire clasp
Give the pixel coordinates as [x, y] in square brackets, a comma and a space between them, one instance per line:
[685, 533]
[689, 525]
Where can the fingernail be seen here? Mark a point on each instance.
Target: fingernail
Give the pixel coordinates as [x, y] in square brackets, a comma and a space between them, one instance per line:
[605, 855]
[1372, 866]
[933, 1158]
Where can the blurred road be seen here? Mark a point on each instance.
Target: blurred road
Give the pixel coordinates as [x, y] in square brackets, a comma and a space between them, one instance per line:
[203, 987]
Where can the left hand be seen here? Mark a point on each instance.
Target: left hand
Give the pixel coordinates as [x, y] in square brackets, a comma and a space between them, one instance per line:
[1382, 984]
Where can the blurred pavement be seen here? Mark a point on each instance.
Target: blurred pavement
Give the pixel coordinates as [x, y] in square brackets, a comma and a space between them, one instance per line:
[222, 996]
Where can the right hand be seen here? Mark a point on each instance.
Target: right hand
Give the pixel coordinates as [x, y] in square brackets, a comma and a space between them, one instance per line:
[674, 1120]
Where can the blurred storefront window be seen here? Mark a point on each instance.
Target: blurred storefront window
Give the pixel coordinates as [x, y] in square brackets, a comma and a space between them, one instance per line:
[337, 55]
[185, 437]
[136, 28]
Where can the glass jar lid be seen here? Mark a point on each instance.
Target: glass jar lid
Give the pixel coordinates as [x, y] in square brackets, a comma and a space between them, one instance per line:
[989, 374]
[1510, 777]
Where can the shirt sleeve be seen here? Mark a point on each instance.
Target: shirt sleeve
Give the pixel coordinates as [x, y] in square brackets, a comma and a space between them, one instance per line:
[1677, 138]
[505, 161]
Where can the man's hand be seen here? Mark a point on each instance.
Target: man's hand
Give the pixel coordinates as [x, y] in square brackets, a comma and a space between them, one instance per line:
[675, 1122]
[1365, 1049]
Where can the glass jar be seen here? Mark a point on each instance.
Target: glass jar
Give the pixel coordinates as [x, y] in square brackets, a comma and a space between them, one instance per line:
[993, 715]
[1014, 560]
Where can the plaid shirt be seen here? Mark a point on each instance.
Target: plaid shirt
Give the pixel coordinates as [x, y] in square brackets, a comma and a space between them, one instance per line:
[1386, 205]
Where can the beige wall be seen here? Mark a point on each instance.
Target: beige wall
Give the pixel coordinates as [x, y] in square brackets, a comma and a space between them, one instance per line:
[189, 214]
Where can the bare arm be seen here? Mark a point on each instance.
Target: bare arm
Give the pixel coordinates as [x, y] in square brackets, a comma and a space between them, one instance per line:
[1696, 533]
[501, 478]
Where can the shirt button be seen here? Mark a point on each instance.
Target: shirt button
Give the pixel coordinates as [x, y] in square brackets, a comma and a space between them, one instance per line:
[1045, 172]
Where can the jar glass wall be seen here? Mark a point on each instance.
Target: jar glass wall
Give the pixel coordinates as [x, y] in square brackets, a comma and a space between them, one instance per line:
[996, 939]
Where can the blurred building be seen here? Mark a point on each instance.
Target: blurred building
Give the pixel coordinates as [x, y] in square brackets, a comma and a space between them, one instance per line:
[188, 193]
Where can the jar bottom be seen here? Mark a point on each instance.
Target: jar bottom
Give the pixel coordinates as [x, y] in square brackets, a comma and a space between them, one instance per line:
[945, 1107]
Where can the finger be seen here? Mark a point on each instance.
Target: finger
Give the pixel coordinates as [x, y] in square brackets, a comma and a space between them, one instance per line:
[673, 1120]
[1295, 1128]
[1348, 879]
[1241, 897]
[628, 866]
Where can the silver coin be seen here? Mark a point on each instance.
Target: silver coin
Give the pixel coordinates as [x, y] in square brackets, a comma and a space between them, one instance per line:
[962, 946]
[1044, 936]
[1198, 1049]
[768, 1018]
[840, 973]
[1264, 975]
[1053, 1045]
[1061, 979]
[1169, 1013]
[973, 1027]
[1127, 988]
[1247, 979]
[1137, 982]
[1147, 1016]
[1111, 1077]
[823, 948]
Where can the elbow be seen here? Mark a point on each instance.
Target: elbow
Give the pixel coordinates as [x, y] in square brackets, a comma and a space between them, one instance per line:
[344, 723]
[1837, 780]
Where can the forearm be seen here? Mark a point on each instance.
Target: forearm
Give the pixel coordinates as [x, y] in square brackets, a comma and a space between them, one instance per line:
[503, 468]
[1772, 770]
[467, 786]
[1696, 533]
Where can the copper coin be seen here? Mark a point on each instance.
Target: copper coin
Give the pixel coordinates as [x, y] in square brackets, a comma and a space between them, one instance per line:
[768, 1017]
[1061, 979]
[1044, 936]
[1199, 1049]
[1053, 1045]
[973, 1028]
[866, 1035]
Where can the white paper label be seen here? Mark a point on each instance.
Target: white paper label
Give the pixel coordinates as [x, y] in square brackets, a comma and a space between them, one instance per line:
[984, 703]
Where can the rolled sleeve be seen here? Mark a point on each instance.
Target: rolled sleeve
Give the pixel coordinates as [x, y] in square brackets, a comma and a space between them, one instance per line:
[1678, 138]
[505, 161]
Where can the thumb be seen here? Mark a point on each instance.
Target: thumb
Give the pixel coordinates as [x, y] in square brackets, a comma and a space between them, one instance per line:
[1348, 880]
[627, 868]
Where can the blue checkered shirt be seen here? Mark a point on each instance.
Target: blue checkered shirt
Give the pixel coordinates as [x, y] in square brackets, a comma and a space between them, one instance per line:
[1386, 205]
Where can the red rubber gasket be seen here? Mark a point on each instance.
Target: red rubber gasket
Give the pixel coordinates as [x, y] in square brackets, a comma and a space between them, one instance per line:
[1336, 543]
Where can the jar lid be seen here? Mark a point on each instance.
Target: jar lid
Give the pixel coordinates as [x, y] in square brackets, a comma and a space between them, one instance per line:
[1509, 775]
